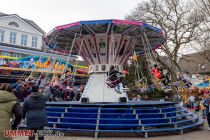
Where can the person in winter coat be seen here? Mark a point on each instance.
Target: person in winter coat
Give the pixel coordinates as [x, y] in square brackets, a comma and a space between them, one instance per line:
[158, 73]
[206, 103]
[34, 110]
[113, 73]
[116, 79]
[9, 106]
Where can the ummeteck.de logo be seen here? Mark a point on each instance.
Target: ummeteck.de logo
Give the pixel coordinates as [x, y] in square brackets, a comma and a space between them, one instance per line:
[18, 133]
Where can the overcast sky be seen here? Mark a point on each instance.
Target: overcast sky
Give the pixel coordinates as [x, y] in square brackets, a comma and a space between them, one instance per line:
[50, 13]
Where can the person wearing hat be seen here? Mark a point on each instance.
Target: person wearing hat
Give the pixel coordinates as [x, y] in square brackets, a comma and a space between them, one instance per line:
[34, 110]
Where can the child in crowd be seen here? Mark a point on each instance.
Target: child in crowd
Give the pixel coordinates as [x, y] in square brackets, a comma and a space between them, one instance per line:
[197, 106]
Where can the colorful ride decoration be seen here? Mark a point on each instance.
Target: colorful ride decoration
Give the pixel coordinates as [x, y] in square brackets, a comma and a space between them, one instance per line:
[58, 66]
[4, 60]
[47, 63]
[185, 91]
[198, 90]
[134, 57]
[39, 63]
[204, 84]
[8, 57]
[82, 71]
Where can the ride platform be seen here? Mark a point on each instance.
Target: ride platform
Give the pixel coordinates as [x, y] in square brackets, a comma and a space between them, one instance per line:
[102, 119]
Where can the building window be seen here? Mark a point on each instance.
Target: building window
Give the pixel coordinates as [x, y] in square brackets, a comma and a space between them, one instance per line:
[34, 41]
[12, 23]
[12, 38]
[1, 35]
[5, 53]
[23, 40]
[16, 55]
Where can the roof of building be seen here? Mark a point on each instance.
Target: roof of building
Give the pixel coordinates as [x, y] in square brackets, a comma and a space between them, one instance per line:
[3, 14]
[30, 22]
[19, 47]
[196, 62]
[33, 52]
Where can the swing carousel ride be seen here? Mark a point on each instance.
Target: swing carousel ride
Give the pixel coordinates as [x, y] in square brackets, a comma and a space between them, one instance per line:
[105, 44]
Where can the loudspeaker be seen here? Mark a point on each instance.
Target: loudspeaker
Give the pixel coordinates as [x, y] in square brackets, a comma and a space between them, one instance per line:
[84, 100]
[123, 100]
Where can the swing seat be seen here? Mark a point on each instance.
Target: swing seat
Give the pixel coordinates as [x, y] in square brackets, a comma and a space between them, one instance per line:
[156, 80]
[181, 83]
[126, 89]
[114, 83]
[139, 84]
[158, 86]
[113, 80]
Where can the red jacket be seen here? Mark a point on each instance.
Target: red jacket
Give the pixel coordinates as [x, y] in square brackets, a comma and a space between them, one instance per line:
[156, 73]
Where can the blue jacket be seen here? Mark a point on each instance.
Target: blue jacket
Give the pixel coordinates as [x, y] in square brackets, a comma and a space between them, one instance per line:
[206, 103]
[34, 110]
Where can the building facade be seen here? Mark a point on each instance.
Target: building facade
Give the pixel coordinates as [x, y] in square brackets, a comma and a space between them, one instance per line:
[21, 37]
[196, 62]
[18, 34]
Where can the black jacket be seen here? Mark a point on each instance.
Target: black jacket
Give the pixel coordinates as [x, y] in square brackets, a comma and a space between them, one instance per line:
[206, 103]
[34, 110]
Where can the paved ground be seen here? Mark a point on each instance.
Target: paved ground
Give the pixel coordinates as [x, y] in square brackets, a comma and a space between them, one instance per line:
[201, 134]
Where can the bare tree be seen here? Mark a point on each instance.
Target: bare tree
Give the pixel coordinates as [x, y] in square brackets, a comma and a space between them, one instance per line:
[203, 41]
[204, 6]
[203, 46]
[175, 17]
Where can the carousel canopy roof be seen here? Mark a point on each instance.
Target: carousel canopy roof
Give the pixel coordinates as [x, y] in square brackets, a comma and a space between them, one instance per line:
[61, 37]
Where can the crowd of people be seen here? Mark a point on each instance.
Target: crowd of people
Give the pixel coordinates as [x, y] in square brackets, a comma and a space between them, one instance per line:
[59, 92]
[200, 105]
[195, 101]
[34, 97]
